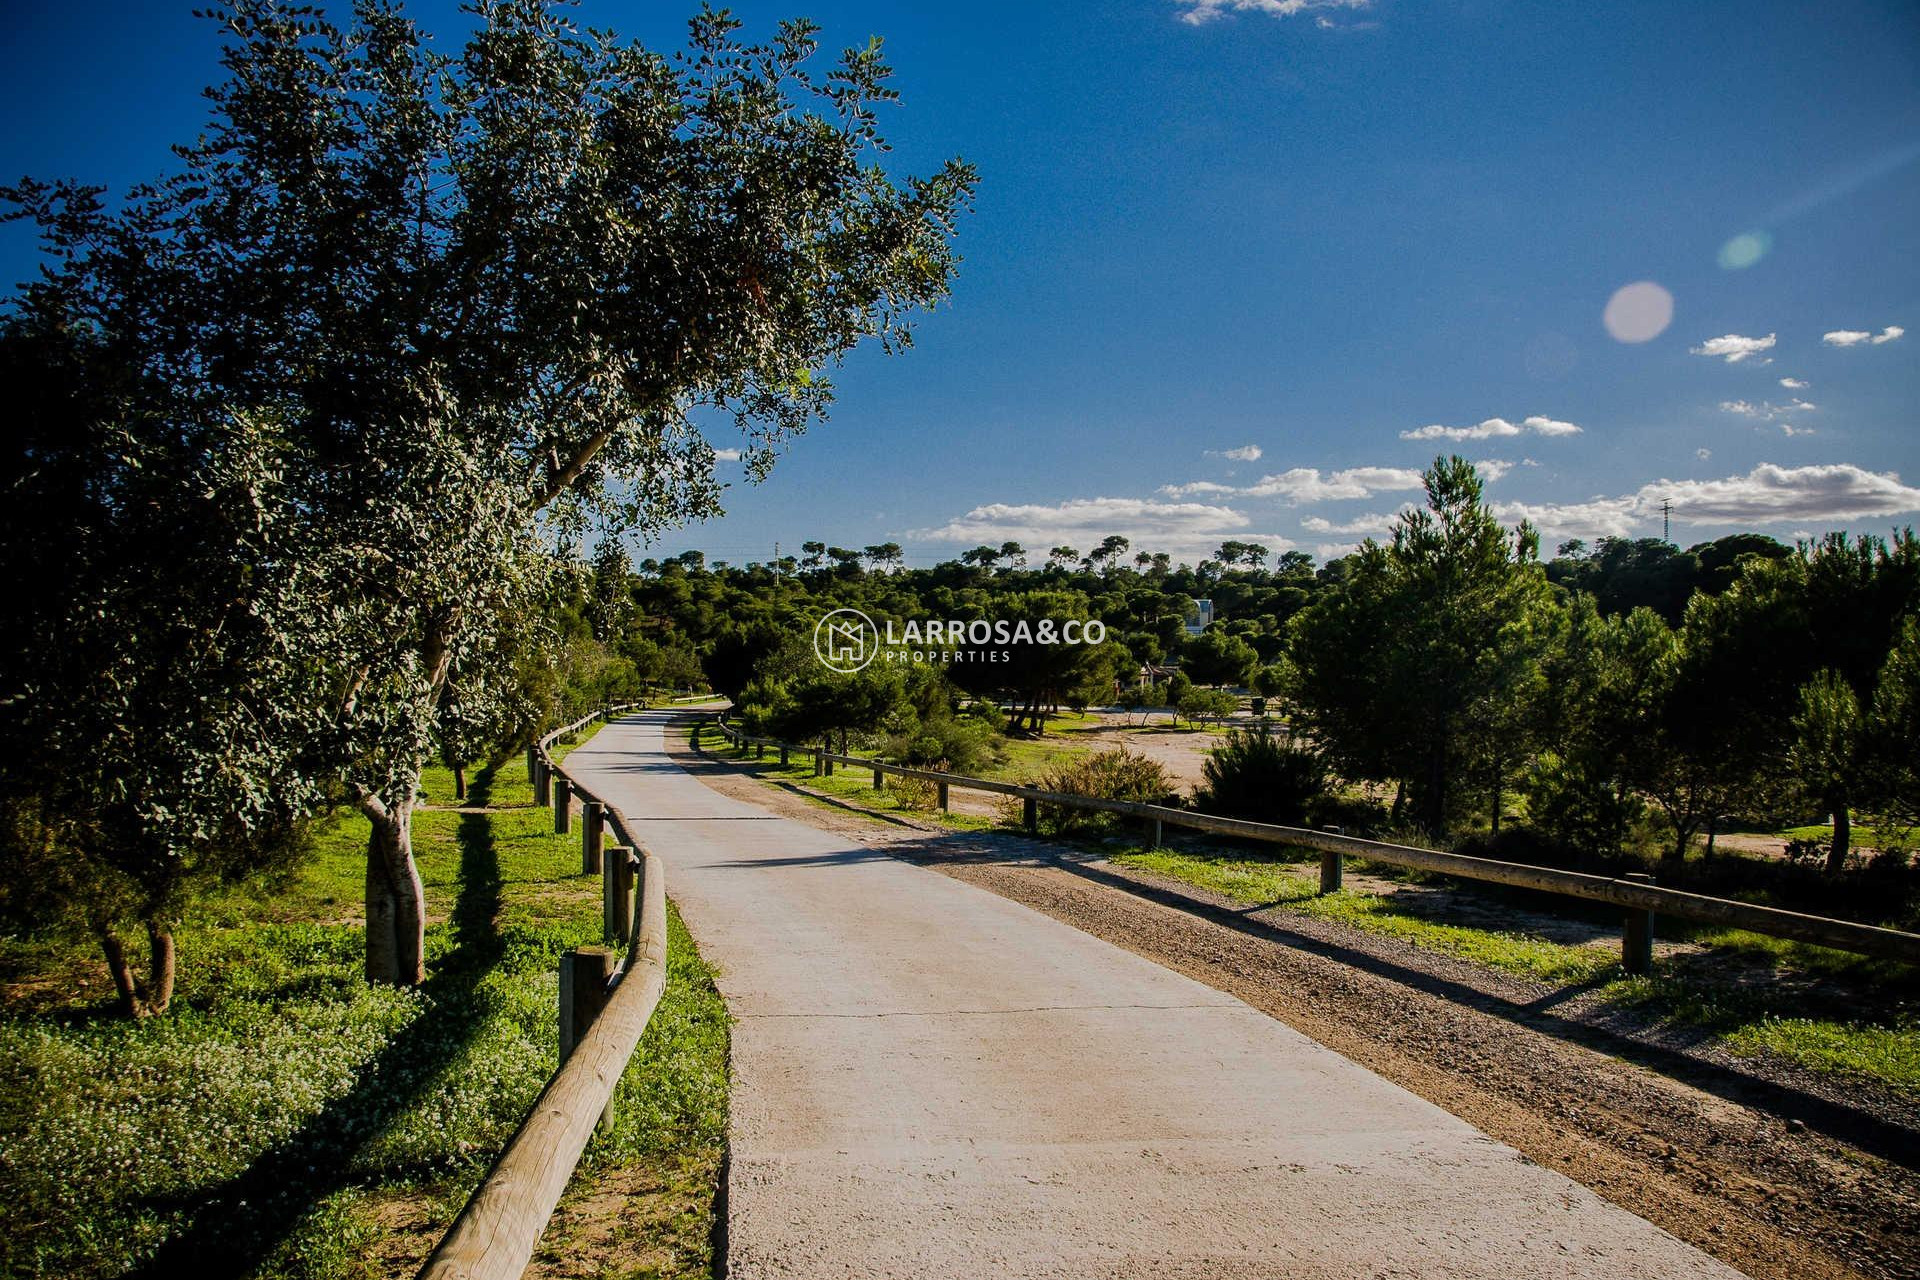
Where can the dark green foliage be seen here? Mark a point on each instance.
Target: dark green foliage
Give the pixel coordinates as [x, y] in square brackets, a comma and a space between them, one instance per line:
[1263, 777]
[437, 313]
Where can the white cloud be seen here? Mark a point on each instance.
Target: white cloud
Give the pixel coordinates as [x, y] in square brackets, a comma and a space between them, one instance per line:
[1492, 428]
[1245, 453]
[1795, 384]
[1199, 11]
[1856, 337]
[1733, 348]
[1769, 494]
[1549, 427]
[1367, 526]
[1767, 411]
[1306, 484]
[1492, 469]
[1792, 430]
[1703, 454]
[1190, 529]
[1484, 430]
[726, 455]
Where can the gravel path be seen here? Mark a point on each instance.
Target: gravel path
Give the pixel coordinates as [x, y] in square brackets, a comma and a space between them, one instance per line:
[1777, 1175]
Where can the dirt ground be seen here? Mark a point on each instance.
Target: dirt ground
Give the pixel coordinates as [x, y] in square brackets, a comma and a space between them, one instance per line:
[1182, 753]
[1782, 1176]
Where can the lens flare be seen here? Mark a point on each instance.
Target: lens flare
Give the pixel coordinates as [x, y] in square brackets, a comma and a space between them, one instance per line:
[1744, 250]
[1638, 312]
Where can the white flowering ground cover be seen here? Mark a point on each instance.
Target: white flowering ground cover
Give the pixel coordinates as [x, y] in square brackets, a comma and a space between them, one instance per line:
[286, 1120]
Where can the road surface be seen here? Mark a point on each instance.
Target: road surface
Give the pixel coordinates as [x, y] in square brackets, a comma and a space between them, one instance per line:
[933, 1081]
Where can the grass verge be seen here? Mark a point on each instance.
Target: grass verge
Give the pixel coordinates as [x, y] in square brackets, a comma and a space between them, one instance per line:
[286, 1120]
[1793, 1018]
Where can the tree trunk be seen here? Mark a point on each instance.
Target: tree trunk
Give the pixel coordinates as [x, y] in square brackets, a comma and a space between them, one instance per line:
[123, 981]
[1682, 837]
[396, 901]
[460, 782]
[1842, 838]
[159, 967]
[141, 998]
[1499, 786]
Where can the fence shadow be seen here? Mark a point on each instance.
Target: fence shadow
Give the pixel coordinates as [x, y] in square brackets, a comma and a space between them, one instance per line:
[242, 1222]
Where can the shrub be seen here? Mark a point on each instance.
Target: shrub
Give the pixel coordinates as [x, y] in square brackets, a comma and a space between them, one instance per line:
[914, 793]
[1263, 777]
[1355, 815]
[959, 744]
[1108, 775]
[1207, 702]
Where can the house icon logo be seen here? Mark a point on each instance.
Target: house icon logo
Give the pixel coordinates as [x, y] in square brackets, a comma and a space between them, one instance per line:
[845, 641]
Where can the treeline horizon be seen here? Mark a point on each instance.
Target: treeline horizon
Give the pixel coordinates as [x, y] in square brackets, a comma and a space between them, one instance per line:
[1613, 696]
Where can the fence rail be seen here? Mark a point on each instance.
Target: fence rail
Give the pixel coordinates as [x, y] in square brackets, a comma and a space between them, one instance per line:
[1639, 896]
[604, 1010]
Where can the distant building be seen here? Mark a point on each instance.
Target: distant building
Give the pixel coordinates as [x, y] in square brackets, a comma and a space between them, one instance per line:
[1204, 619]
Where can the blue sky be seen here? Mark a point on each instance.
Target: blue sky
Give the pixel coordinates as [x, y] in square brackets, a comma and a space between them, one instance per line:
[1349, 236]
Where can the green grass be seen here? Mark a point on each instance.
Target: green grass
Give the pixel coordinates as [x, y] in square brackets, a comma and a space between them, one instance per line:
[1266, 883]
[1027, 758]
[1887, 1054]
[854, 786]
[283, 1115]
[1792, 1022]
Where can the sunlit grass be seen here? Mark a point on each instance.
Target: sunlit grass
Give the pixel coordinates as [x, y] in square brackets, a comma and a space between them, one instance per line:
[1264, 883]
[282, 1103]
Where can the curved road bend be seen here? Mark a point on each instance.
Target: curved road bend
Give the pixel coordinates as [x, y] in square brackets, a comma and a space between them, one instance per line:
[932, 1081]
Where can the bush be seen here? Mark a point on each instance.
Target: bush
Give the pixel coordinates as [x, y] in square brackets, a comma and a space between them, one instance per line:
[1207, 702]
[1108, 775]
[1263, 777]
[1588, 814]
[1354, 815]
[914, 793]
[958, 744]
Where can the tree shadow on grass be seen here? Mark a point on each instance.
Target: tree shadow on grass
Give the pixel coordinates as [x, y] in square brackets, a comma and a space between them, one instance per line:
[240, 1223]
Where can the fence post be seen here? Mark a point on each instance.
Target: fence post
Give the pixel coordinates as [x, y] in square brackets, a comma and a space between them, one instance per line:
[533, 760]
[1157, 834]
[1332, 867]
[879, 780]
[584, 972]
[562, 806]
[941, 790]
[616, 894]
[542, 789]
[593, 828]
[783, 755]
[699, 726]
[828, 759]
[1636, 939]
[1030, 814]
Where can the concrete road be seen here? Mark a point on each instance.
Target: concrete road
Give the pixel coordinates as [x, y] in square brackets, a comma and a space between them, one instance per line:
[932, 1081]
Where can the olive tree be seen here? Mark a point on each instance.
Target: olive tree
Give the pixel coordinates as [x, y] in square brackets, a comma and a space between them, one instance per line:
[486, 298]
[150, 717]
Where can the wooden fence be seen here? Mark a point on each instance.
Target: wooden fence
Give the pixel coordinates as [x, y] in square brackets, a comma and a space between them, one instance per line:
[605, 1002]
[1641, 898]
